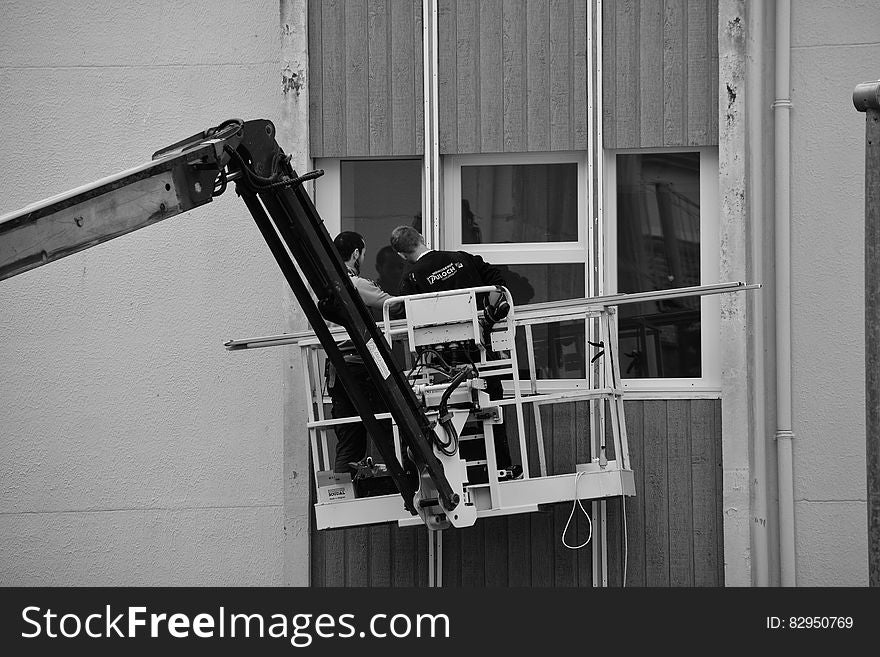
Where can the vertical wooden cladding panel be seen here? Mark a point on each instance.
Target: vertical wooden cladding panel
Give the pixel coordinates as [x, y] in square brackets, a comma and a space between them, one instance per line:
[656, 493]
[537, 75]
[702, 98]
[513, 75]
[491, 94]
[365, 78]
[673, 525]
[407, 78]
[560, 69]
[680, 493]
[706, 474]
[660, 73]
[357, 91]
[316, 78]
[671, 534]
[467, 54]
[378, 78]
[513, 72]
[447, 78]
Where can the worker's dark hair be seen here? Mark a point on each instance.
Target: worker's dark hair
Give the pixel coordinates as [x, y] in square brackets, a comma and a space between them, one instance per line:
[406, 239]
[346, 242]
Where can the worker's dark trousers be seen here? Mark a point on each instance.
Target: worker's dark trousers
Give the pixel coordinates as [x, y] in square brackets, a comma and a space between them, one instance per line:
[351, 438]
[499, 432]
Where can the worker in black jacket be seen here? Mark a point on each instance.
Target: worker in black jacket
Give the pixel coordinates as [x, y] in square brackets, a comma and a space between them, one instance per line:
[436, 271]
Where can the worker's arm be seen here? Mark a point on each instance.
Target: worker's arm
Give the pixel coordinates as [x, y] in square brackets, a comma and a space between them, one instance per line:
[490, 275]
[373, 296]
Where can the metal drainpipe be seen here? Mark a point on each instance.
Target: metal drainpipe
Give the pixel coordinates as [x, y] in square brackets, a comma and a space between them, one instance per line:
[782, 163]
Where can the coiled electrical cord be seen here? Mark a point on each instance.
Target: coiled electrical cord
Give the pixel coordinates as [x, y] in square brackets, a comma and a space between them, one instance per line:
[571, 515]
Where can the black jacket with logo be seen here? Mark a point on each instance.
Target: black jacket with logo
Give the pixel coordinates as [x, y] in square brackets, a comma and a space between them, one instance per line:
[437, 271]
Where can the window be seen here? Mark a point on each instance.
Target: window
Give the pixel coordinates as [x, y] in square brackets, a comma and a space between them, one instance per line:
[372, 197]
[516, 203]
[525, 213]
[377, 196]
[662, 234]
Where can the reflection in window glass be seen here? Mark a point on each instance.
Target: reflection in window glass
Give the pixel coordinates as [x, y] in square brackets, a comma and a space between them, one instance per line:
[658, 247]
[519, 203]
[559, 347]
[377, 196]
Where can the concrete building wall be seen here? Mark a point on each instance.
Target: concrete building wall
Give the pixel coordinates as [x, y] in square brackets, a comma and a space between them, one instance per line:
[135, 449]
[731, 267]
[834, 47]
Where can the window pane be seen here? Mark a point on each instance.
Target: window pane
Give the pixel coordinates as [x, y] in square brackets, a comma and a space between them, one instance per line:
[658, 247]
[519, 203]
[377, 196]
[559, 347]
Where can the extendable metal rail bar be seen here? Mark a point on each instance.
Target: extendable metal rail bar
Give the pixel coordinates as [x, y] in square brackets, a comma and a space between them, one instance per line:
[558, 309]
[189, 174]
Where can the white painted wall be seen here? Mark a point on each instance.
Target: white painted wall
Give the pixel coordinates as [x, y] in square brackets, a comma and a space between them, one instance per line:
[134, 449]
[835, 46]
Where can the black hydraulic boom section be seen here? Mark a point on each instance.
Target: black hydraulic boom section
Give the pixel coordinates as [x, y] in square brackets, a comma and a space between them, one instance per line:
[190, 173]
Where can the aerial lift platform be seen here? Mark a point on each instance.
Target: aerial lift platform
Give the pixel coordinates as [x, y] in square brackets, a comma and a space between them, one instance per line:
[440, 322]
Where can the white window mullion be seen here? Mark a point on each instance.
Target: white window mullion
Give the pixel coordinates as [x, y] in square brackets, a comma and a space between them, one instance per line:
[431, 213]
[328, 196]
[710, 268]
[529, 255]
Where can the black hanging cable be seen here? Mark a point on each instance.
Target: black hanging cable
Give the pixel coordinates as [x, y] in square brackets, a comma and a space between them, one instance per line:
[600, 345]
[450, 446]
[446, 368]
[416, 365]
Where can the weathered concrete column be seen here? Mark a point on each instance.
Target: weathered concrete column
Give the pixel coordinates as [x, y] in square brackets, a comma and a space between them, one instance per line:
[735, 417]
[293, 136]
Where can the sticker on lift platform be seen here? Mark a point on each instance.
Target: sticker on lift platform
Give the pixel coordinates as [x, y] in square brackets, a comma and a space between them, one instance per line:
[377, 358]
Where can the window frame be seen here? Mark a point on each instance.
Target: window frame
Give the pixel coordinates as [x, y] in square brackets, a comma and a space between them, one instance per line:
[327, 195]
[709, 383]
[514, 253]
[525, 253]
[327, 198]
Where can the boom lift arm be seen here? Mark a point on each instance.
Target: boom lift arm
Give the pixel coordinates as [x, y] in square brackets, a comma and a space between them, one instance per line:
[189, 174]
